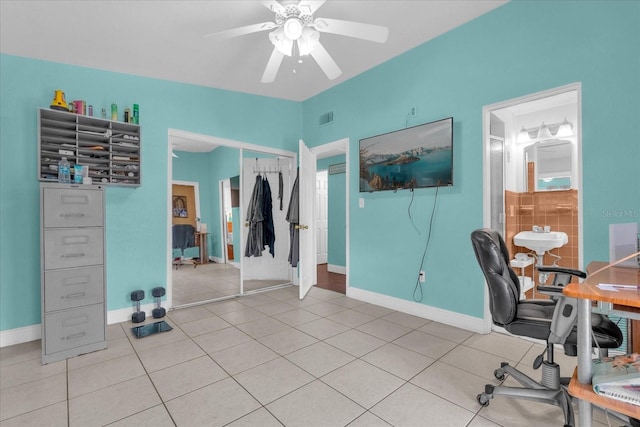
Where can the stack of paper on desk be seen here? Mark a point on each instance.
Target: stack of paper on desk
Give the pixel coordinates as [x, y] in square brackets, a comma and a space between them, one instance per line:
[618, 377]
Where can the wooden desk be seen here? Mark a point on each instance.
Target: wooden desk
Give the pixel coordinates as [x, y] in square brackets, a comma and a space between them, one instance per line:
[625, 303]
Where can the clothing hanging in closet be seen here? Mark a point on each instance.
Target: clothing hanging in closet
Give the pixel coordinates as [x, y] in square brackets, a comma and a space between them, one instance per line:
[260, 218]
[293, 217]
[268, 231]
[254, 217]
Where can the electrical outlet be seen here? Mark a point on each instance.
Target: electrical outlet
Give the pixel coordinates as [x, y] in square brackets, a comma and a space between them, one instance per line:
[422, 277]
[413, 111]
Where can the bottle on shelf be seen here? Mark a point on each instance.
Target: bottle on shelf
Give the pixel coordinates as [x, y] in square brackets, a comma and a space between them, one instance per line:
[114, 111]
[64, 171]
[136, 114]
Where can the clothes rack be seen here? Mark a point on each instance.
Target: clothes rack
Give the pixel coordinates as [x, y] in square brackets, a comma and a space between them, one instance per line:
[258, 171]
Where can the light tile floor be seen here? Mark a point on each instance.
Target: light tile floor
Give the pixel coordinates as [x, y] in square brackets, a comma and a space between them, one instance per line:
[271, 360]
[211, 281]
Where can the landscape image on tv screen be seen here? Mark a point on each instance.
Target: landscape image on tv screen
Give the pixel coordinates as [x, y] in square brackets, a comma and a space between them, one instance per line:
[416, 157]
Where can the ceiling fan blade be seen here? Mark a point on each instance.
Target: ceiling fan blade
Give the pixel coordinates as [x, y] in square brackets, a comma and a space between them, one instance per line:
[272, 5]
[241, 31]
[312, 5]
[326, 62]
[272, 66]
[374, 33]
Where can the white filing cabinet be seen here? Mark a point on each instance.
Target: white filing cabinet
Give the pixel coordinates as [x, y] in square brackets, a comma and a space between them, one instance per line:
[73, 284]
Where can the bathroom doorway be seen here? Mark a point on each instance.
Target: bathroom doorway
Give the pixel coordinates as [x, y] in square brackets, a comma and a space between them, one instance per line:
[532, 163]
[331, 215]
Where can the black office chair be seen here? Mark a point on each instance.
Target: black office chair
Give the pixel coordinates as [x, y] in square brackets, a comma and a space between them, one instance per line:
[552, 320]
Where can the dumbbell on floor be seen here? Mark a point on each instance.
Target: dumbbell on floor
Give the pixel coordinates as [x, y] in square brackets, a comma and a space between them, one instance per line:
[159, 311]
[138, 316]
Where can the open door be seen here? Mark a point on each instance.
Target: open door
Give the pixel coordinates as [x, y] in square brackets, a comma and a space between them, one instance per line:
[307, 188]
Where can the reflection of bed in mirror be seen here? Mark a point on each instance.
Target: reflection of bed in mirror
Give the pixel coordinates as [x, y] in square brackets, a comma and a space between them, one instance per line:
[183, 239]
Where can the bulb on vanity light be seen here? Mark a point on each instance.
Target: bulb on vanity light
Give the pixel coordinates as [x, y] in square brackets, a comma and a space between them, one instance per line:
[544, 132]
[565, 129]
[523, 136]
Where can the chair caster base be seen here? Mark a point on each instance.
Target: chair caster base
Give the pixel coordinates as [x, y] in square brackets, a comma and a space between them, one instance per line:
[483, 399]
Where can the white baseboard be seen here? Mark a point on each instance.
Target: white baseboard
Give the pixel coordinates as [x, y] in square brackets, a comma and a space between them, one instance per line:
[336, 269]
[474, 324]
[124, 314]
[34, 332]
[19, 335]
[462, 321]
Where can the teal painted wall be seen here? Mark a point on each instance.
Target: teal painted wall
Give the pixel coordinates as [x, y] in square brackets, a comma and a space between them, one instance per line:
[337, 249]
[518, 49]
[135, 218]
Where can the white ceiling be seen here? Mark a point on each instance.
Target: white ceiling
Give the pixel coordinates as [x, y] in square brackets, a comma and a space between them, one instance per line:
[164, 39]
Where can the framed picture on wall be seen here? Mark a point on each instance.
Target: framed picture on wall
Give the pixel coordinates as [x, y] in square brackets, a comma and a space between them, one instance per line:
[180, 207]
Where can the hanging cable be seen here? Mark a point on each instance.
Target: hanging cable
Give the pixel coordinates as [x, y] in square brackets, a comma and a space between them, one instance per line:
[418, 288]
[409, 211]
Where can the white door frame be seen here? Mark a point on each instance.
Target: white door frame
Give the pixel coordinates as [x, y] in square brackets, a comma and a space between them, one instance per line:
[486, 176]
[327, 150]
[322, 208]
[223, 222]
[213, 141]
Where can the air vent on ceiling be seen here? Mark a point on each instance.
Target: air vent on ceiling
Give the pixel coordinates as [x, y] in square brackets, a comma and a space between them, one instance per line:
[326, 118]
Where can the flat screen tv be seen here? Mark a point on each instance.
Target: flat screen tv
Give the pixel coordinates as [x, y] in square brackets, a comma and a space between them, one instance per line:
[416, 157]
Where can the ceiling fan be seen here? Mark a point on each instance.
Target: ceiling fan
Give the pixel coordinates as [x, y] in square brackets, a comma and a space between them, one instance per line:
[295, 28]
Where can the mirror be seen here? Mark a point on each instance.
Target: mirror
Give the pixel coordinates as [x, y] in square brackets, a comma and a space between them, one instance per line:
[205, 270]
[553, 160]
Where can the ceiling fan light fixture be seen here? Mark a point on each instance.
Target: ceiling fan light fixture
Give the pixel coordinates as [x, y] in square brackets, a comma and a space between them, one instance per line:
[281, 42]
[293, 28]
[308, 41]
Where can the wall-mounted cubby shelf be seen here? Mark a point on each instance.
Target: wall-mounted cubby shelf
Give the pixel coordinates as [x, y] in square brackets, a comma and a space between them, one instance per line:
[110, 149]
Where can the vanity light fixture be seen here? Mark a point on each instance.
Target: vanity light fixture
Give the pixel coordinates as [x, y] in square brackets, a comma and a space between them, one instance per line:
[555, 130]
[565, 129]
[544, 132]
[523, 135]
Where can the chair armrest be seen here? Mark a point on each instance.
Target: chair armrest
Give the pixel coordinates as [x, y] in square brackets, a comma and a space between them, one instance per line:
[561, 270]
[549, 290]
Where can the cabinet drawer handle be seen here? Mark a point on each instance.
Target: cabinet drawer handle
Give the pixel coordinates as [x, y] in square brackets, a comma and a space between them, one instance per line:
[76, 295]
[72, 215]
[75, 336]
[78, 255]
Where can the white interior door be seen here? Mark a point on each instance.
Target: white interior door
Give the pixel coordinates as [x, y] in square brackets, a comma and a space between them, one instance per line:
[322, 217]
[307, 186]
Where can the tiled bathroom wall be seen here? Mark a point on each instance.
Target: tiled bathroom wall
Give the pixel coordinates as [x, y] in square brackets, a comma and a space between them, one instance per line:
[558, 209]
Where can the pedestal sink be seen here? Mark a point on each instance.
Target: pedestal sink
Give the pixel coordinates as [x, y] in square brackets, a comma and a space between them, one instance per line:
[541, 242]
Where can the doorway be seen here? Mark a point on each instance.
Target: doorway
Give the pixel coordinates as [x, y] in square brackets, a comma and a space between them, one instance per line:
[331, 215]
[532, 173]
